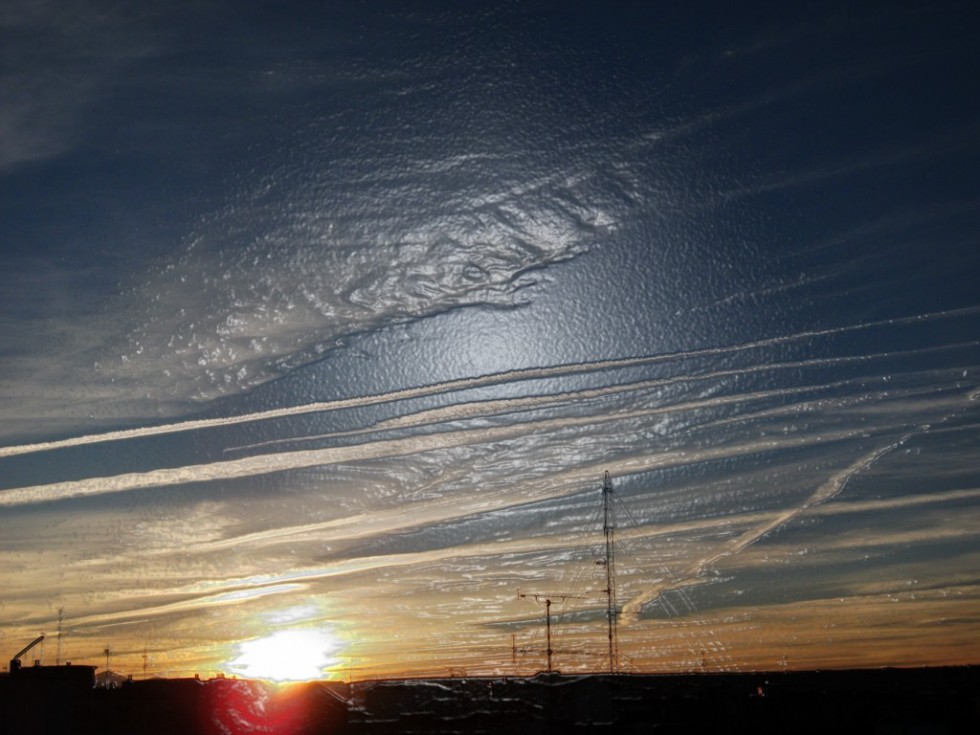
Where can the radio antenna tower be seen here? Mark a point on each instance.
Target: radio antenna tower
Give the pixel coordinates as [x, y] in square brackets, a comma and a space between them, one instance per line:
[61, 622]
[609, 562]
[547, 601]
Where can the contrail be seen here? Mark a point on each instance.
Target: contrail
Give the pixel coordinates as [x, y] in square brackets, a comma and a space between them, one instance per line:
[827, 491]
[272, 463]
[339, 404]
[465, 383]
[695, 571]
[481, 409]
[553, 486]
[234, 590]
[238, 595]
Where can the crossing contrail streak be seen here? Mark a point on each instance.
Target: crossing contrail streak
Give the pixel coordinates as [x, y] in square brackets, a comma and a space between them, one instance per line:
[693, 572]
[825, 492]
[465, 383]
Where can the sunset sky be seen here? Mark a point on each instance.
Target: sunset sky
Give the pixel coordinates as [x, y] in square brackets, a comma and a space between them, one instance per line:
[320, 323]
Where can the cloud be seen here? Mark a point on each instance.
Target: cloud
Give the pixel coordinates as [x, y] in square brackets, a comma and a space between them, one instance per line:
[514, 376]
[58, 58]
[825, 492]
[275, 280]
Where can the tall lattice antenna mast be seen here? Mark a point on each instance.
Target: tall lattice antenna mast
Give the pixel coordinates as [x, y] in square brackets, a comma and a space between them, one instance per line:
[106, 651]
[61, 624]
[609, 534]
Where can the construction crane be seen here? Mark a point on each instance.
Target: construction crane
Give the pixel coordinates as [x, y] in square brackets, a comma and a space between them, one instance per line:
[15, 661]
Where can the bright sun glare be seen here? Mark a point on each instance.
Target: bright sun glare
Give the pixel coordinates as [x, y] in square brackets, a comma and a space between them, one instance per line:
[287, 655]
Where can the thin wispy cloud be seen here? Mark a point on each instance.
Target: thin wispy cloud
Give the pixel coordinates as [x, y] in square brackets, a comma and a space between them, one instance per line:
[60, 59]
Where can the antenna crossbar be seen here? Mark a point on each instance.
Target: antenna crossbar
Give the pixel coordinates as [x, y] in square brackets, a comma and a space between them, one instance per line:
[547, 600]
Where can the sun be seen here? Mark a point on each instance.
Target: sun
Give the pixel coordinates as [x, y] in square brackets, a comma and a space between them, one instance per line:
[286, 655]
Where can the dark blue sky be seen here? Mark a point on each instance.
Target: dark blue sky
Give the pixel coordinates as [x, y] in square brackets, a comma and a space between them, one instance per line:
[371, 295]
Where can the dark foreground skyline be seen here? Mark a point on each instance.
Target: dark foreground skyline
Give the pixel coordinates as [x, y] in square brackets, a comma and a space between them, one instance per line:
[884, 700]
[320, 324]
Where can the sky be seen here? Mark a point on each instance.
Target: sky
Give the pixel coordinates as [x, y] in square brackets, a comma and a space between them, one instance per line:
[321, 323]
